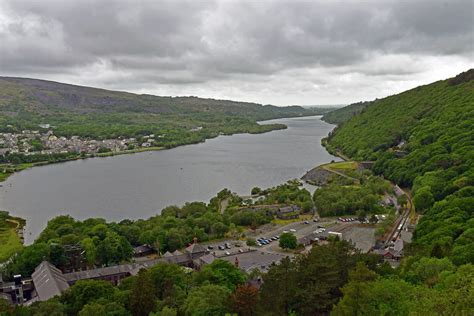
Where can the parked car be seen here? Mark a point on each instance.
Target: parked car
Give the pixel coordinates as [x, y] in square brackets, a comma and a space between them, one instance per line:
[293, 230]
[306, 222]
[315, 220]
[210, 247]
[227, 253]
[221, 247]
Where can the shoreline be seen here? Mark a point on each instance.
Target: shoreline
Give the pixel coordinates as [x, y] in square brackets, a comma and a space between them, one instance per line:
[20, 167]
[286, 121]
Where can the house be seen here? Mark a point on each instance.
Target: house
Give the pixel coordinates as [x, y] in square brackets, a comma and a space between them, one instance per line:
[288, 212]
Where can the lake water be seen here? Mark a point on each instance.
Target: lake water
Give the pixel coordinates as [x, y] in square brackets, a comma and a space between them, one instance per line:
[140, 185]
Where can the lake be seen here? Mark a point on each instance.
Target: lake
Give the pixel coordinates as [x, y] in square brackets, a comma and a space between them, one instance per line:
[140, 185]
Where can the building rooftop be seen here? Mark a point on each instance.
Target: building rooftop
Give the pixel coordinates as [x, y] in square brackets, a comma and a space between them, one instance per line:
[100, 272]
[195, 248]
[251, 260]
[49, 281]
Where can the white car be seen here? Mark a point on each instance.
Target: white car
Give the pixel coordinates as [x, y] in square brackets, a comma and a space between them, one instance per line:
[293, 230]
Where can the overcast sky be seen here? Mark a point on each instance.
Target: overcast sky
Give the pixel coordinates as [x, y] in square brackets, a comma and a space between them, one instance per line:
[277, 52]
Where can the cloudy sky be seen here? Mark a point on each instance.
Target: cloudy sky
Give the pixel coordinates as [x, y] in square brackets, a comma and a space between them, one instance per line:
[278, 52]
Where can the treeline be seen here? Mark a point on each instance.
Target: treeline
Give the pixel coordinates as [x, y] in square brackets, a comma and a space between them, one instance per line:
[333, 278]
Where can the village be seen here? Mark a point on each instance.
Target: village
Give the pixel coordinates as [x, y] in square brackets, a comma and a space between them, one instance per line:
[44, 141]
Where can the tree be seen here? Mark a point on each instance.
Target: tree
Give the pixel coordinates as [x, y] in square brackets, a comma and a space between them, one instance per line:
[48, 308]
[256, 191]
[354, 291]
[28, 259]
[84, 292]
[381, 297]
[143, 294]
[207, 300]
[423, 199]
[107, 309]
[90, 251]
[244, 300]
[288, 241]
[221, 272]
[219, 229]
[170, 282]
[279, 287]
[361, 215]
[166, 311]
[251, 241]
[114, 249]
[321, 274]
[426, 270]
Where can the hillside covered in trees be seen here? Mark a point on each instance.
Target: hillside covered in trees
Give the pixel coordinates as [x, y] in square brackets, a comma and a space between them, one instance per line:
[424, 139]
[342, 115]
[99, 113]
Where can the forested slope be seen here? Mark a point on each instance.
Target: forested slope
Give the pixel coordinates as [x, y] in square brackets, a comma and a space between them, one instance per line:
[98, 113]
[424, 138]
[342, 115]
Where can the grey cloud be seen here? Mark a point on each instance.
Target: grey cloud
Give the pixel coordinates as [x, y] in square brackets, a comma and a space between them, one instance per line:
[196, 42]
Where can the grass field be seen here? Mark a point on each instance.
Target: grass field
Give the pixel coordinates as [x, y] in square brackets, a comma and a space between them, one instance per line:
[10, 242]
[282, 222]
[343, 165]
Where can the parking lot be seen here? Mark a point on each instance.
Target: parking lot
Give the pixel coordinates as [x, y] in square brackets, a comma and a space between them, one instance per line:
[268, 239]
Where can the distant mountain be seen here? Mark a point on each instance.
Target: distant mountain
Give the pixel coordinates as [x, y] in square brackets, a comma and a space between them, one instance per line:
[424, 139]
[47, 97]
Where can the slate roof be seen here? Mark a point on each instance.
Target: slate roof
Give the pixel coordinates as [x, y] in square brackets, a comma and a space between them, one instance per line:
[142, 249]
[254, 259]
[99, 272]
[49, 281]
[195, 248]
[207, 259]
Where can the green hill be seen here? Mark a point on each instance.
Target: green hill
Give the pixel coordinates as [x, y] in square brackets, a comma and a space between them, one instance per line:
[424, 138]
[342, 115]
[99, 113]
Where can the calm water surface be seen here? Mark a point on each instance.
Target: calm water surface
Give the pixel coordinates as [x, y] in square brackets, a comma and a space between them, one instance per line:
[140, 185]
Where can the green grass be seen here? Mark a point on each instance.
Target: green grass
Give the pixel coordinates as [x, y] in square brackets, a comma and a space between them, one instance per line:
[282, 222]
[343, 165]
[10, 242]
[7, 170]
